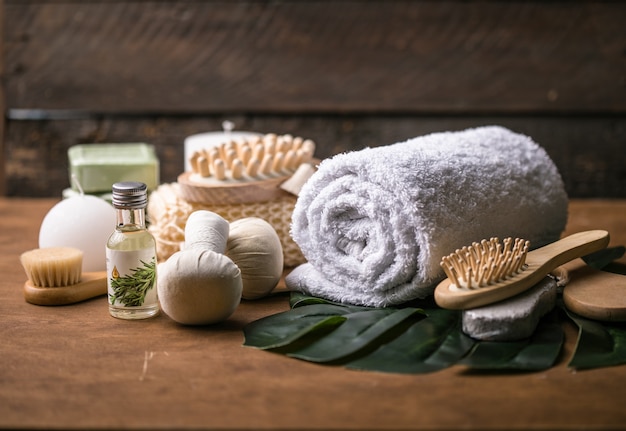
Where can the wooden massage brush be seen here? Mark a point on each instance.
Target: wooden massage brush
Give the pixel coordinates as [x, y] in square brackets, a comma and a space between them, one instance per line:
[245, 170]
[592, 293]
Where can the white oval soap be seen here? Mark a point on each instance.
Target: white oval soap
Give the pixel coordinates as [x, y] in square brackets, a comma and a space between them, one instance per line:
[84, 222]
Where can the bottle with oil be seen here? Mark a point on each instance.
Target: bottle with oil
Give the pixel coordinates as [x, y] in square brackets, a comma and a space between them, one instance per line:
[131, 256]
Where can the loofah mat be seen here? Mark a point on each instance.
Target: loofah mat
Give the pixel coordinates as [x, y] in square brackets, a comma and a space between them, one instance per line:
[168, 213]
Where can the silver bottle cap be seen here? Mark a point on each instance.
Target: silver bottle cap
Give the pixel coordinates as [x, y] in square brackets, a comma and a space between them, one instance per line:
[130, 195]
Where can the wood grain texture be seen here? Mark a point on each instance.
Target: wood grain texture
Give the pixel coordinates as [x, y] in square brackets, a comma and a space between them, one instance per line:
[595, 294]
[91, 285]
[77, 367]
[588, 151]
[2, 109]
[348, 74]
[243, 192]
[316, 56]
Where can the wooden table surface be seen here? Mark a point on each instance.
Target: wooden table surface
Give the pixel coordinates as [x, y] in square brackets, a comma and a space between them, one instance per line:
[77, 367]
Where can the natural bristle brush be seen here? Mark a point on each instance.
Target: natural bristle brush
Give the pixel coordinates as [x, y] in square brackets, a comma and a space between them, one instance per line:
[254, 158]
[244, 170]
[490, 271]
[55, 277]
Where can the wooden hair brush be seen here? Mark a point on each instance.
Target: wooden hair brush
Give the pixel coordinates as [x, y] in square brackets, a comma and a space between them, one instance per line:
[489, 271]
[55, 277]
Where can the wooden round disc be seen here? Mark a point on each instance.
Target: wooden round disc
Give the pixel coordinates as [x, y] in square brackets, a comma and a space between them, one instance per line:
[228, 193]
[597, 295]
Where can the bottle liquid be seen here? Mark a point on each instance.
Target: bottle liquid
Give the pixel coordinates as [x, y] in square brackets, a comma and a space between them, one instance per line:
[131, 256]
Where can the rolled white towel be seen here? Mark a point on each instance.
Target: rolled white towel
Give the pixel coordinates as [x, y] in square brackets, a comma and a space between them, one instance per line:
[373, 224]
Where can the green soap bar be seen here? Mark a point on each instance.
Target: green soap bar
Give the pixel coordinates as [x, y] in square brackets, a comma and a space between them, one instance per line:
[98, 166]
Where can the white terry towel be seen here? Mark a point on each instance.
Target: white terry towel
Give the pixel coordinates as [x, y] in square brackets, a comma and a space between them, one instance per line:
[373, 224]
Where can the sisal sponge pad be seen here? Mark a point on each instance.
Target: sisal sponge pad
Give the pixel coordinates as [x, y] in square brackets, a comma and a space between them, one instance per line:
[513, 319]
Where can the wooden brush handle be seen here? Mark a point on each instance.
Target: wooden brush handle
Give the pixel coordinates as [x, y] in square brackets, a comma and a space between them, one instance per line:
[92, 284]
[540, 262]
[569, 248]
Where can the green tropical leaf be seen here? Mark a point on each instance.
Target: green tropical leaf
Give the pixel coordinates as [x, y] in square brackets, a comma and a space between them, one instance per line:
[428, 345]
[421, 340]
[297, 299]
[282, 329]
[600, 259]
[599, 344]
[539, 352]
[360, 330]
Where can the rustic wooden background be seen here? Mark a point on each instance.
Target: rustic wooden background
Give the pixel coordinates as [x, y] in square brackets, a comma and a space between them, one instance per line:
[347, 74]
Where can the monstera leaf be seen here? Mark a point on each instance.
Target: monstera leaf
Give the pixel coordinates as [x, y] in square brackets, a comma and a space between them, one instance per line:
[396, 340]
[321, 331]
[598, 344]
[539, 352]
[428, 345]
[424, 338]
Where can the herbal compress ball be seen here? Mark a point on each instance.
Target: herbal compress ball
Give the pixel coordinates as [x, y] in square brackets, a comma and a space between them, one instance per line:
[199, 285]
[255, 247]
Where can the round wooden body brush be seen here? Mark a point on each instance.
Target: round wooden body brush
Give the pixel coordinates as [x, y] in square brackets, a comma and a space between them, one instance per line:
[488, 272]
[244, 171]
[55, 277]
[592, 293]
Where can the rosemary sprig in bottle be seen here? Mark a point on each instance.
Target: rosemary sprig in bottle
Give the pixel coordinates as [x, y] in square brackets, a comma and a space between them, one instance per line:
[131, 290]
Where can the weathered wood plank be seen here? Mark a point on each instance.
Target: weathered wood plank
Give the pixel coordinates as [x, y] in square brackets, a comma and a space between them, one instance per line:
[588, 151]
[348, 74]
[2, 108]
[316, 56]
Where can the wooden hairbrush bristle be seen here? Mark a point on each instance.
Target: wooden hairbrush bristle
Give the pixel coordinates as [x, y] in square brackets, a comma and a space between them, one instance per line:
[485, 263]
[489, 272]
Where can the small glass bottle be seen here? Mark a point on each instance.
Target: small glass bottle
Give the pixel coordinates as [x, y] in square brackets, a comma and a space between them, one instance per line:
[131, 256]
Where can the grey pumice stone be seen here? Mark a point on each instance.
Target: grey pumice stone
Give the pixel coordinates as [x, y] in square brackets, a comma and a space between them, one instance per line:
[514, 318]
